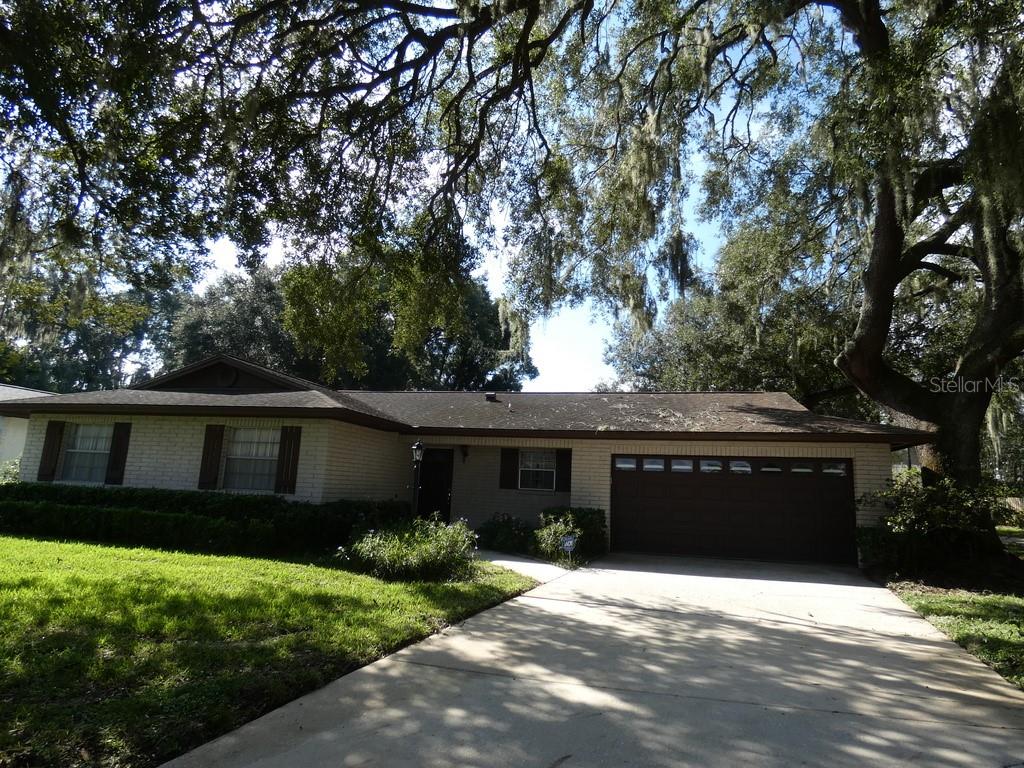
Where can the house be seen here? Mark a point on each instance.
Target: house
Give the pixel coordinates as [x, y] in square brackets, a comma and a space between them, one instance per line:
[13, 431]
[745, 474]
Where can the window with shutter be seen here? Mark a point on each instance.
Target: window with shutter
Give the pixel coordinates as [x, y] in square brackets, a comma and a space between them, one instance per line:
[251, 460]
[86, 452]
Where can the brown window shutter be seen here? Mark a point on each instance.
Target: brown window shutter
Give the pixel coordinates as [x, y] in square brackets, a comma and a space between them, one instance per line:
[509, 477]
[118, 453]
[51, 451]
[563, 469]
[288, 459]
[213, 447]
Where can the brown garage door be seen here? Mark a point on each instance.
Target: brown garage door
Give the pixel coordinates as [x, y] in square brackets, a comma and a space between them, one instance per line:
[764, 508]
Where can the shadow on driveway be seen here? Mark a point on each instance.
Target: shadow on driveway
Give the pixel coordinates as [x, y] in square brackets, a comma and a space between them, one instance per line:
[660, 661]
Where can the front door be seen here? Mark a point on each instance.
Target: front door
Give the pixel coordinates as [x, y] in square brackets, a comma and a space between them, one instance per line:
[435, 493]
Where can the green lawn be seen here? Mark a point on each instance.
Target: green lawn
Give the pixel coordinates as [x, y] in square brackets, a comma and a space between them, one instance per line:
[988, 624]
[1012, 535]
[128, 657]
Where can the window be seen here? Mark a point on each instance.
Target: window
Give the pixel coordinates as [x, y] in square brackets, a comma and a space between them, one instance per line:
[86, 449]
[654, 465]
[771, 466]
[682, 465]
[710, 465]
[537, 470]
[836, 468]
[802, 467]
[251, 462]
[626, 463]
[739, 467]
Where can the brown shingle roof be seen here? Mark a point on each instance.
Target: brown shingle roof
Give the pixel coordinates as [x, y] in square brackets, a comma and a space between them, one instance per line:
[731, 415]
[662, 412]
[299, 404]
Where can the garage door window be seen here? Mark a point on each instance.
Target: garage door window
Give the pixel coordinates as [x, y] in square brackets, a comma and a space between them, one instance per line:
[625, 463]
[682, 465]
[739, 467]
[710, 465]
[834, 468]
[537, 470]
[654, 465]
[802, 467]
[771, 466]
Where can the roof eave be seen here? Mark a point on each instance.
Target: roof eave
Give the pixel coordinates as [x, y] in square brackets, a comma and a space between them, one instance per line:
[337, 413]
[896, 440]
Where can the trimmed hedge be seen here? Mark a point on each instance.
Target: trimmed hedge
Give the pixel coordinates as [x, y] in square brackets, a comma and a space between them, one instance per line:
[140, 527]
[505, 533]
[909, 555]
[201, 521]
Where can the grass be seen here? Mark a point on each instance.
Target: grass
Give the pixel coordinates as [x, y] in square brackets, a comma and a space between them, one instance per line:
[989, 624]
[128, 657]
[1009, 530]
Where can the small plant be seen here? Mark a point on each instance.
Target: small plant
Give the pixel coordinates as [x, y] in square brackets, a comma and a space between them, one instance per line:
[551, 538]
[419, 550]
[9, 471]
[505, 533]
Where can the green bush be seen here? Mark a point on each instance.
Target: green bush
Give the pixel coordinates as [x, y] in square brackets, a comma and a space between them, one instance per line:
[931, 526]
[1012, 511]
[124, 525]
[418, 550]
[10, 471]
[591, 524]
[296, 527]
[550, 537]
[505, 533]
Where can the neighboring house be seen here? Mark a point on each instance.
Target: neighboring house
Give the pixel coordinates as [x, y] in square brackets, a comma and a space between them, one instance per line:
[747, 474]
[13, 431]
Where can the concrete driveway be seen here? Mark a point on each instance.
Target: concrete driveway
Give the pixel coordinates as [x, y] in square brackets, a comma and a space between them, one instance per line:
[659, 661]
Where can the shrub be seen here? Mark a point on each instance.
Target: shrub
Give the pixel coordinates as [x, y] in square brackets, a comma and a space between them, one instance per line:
[931, 526]
[550, 537]
[418, 550]
[9, 471]
[591, 524]
[505, 533]
[296, 527]
[124, 525]
[1012, 512]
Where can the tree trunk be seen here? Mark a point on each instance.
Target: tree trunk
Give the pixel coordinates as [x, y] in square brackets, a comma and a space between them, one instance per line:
[954, 408]
[956, 452]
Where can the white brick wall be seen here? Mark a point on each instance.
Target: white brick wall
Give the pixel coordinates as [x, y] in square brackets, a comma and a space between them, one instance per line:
[165, 451]
[363, 463]
[339, 460]
[475, 491]
[12, 437]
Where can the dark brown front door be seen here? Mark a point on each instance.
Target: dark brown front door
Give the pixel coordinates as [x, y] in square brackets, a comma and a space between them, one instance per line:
[435, 493]
[761, 508]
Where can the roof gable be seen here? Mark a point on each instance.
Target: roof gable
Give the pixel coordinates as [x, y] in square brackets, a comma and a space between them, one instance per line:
[226, 374]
